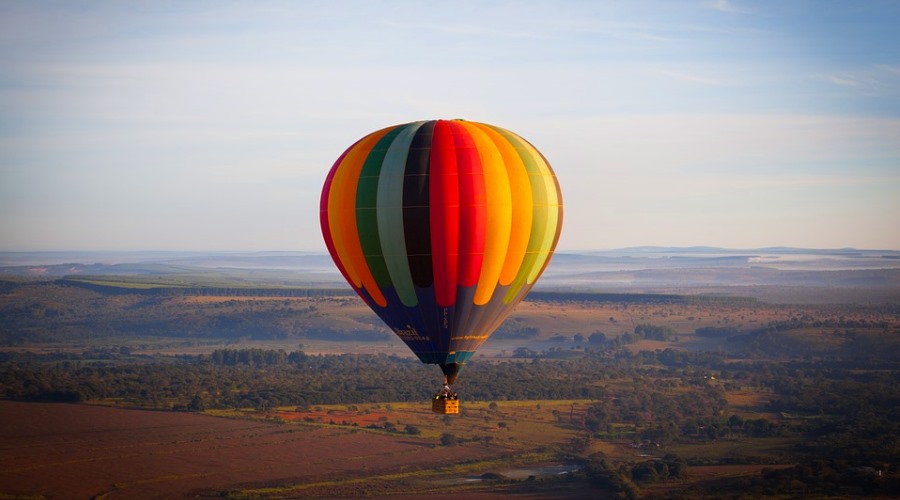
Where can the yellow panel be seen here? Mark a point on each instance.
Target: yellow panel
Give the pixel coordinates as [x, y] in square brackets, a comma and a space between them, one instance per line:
[521, 204]
[499, 213]
[547, 242]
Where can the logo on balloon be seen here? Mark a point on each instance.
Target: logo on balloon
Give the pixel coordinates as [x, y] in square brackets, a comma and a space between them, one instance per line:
[409, 333]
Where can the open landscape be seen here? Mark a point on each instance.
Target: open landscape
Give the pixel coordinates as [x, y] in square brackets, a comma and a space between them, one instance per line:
[479, 249]
[138, 380]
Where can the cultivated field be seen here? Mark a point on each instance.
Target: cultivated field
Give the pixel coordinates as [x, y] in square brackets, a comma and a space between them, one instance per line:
[80, 451]
[83, 451]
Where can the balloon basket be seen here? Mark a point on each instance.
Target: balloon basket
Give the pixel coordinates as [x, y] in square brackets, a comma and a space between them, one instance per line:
[445, 405]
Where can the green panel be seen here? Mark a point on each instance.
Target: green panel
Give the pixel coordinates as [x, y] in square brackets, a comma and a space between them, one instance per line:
[366, 209]
[389, 214]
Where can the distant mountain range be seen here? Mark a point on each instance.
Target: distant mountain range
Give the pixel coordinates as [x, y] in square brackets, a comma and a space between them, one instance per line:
[640, 250]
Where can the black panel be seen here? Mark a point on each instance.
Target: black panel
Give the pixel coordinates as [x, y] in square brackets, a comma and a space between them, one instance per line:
[416, 214]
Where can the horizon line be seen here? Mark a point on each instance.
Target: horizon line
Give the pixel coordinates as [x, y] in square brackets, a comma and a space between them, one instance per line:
[633, 248]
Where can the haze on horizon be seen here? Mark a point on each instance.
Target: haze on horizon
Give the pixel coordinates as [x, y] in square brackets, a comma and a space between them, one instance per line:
[211, 126]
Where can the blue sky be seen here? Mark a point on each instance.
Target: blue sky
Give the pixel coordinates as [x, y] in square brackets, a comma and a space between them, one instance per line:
[211, 125]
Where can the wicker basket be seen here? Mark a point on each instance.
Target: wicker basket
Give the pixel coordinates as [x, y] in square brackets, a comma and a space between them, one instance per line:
[445, 406]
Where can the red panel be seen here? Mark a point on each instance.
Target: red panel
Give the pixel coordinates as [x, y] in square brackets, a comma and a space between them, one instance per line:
[444, 214]
[472, 211]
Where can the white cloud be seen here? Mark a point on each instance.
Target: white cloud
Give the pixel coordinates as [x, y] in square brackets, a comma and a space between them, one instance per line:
[725, 6]
[873, 80]
[689, 77]
[842, 80]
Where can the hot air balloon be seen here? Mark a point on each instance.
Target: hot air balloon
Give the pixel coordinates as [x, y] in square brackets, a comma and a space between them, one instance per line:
[441, 227]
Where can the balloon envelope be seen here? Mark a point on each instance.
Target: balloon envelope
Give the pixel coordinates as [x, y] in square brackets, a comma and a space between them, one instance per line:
[442, 227]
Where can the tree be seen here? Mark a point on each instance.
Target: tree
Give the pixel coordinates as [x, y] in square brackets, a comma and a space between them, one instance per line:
[196, 404]
[448, 439]
[524, 352]
[645, 473]
[597, 338]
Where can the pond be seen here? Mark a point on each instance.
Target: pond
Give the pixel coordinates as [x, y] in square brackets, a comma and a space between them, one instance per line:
[517, 474]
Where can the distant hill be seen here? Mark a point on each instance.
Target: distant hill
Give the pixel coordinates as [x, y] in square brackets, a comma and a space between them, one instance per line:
[55, 264]
[649, 268]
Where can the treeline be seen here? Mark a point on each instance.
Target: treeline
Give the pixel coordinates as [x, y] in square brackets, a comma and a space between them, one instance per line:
[794, 324]
[514, 328]
[263, 378]
[42, 312]
[844, 409]
[106, 286]
[597, 341]
[255, 357]
[871, 341]
[624, 479]
[619, 298]
[778, 341]
[812, 478]
[638, 298]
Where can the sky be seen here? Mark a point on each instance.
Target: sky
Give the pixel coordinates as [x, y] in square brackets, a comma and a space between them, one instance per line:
[211, 125]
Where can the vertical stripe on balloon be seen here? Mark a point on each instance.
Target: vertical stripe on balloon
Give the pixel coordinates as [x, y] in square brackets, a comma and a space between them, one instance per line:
[472, 207]
[445, 214]
[547, 233]
[367, 209]
[416, 207]
[521, 204]
[390, 214]
[323, 216]
[540, 215]
[498, 212]
[342, 216]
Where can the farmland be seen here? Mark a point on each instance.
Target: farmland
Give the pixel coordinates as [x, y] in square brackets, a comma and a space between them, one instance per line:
[224, 389]
[86, 452]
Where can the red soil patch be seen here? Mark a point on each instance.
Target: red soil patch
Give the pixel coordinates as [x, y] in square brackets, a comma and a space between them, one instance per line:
[704, 472]
[345, 417]
[79, 451]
